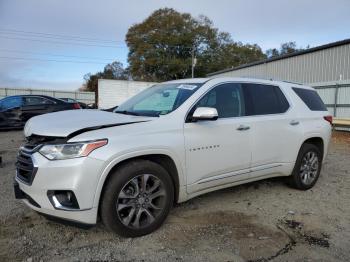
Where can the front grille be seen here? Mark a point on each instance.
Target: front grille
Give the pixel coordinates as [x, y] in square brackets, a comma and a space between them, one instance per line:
[24, 164]
[25, 167]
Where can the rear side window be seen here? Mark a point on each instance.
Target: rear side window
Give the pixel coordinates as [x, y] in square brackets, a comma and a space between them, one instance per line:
[264, 99]
[311, 99]
[35, 100]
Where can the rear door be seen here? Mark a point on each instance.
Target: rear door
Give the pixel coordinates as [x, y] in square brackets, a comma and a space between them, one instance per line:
[275, 130]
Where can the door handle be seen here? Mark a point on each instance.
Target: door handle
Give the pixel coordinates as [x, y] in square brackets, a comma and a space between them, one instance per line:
[243, 128]
[294, 123]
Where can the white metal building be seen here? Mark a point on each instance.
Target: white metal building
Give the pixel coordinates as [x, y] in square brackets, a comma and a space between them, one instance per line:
[326, 67]
[112, 93]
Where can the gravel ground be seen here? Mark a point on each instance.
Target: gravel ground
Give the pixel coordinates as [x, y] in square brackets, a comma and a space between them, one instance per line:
[260, 221]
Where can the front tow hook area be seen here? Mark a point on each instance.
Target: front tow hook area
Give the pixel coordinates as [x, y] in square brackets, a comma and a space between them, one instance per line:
[19, 194]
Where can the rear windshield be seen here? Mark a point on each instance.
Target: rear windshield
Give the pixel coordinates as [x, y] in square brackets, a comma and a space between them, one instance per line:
[311, 99]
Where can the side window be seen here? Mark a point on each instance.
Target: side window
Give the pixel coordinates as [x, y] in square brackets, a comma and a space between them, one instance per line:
[226, 98]
[69, 100]
[11, 102]
[264, 99]
[47, 102]
[35, 100]
[311, 99]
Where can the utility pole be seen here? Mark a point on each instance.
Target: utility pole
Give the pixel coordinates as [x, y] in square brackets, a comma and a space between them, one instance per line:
[194, 61]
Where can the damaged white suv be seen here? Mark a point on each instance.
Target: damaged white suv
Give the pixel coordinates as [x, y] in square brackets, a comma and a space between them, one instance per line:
[171, 142]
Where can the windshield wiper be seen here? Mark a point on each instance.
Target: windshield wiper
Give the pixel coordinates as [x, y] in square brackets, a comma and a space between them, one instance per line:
[125, 112]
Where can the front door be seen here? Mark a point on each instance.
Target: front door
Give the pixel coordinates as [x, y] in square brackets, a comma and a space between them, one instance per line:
[217, 151]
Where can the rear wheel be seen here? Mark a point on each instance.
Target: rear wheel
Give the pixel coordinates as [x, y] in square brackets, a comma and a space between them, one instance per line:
[307, 167]
[137, 198]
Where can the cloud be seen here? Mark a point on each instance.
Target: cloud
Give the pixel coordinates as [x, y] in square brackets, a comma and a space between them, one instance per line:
[25, 83]
[267, 23]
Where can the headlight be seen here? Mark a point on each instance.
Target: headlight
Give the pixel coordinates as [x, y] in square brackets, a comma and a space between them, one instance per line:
[70, 150]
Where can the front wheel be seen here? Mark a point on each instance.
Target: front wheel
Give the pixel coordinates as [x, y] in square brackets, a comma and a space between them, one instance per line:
[137, 198]
[307, 167]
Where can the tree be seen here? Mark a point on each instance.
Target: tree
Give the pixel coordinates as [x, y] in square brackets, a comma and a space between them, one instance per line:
[161, 47]
[273, 52]
[114, 70]
[286, 48]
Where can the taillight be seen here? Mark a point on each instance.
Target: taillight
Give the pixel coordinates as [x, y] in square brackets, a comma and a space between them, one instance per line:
[76, 106]
[329, 119]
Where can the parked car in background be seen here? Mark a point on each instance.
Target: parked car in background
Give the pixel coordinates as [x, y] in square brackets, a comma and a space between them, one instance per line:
[169, 143]
[71, 100]
[16, 110]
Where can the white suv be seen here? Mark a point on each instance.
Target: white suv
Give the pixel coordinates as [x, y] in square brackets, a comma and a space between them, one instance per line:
[171, 142]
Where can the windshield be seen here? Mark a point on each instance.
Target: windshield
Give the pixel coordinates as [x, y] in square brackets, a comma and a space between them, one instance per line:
[158, 100]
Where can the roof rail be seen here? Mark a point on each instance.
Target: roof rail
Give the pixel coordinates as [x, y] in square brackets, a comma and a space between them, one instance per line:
[264, 78]
[271, 79]
[257, 77]
[291, 82]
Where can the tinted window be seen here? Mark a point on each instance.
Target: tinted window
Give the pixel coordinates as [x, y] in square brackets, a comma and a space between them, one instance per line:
[311, 99]
[264, 99]
[227, 99]
[69, 100]
[11, 102]
[35, 100]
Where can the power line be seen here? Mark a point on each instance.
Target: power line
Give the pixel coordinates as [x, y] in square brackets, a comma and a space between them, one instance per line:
[77, 38]
[72, 61]
[59, 35]
[51, 60]
[63, 43]
[83, 44]
[57, 55]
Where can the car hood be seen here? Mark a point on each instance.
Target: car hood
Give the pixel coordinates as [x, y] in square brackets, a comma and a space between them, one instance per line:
[73, 122]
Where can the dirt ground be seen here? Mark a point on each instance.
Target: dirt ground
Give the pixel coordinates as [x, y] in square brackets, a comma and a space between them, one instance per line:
[261, 221]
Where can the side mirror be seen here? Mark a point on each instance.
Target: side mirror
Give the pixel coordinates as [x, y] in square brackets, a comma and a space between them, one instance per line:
[205, 113]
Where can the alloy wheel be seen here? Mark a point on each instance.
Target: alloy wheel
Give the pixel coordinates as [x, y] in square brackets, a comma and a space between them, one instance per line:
[309, 167]
[141, 201]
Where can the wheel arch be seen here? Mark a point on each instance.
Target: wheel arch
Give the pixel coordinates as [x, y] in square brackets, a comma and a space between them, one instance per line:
[317, 141]
[167, 161]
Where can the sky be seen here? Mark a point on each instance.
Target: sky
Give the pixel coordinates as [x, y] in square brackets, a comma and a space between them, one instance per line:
[52, 44]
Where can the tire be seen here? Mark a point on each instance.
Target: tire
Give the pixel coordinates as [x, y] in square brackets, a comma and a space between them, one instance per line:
[304, 168]
[125, 200]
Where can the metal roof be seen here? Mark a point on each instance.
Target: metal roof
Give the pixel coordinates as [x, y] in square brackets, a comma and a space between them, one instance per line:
[302, 52]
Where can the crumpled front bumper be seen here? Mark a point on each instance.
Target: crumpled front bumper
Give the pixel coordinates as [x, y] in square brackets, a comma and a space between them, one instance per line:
[79, 175]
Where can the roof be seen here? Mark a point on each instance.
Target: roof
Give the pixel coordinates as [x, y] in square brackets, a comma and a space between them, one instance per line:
[302, 52]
